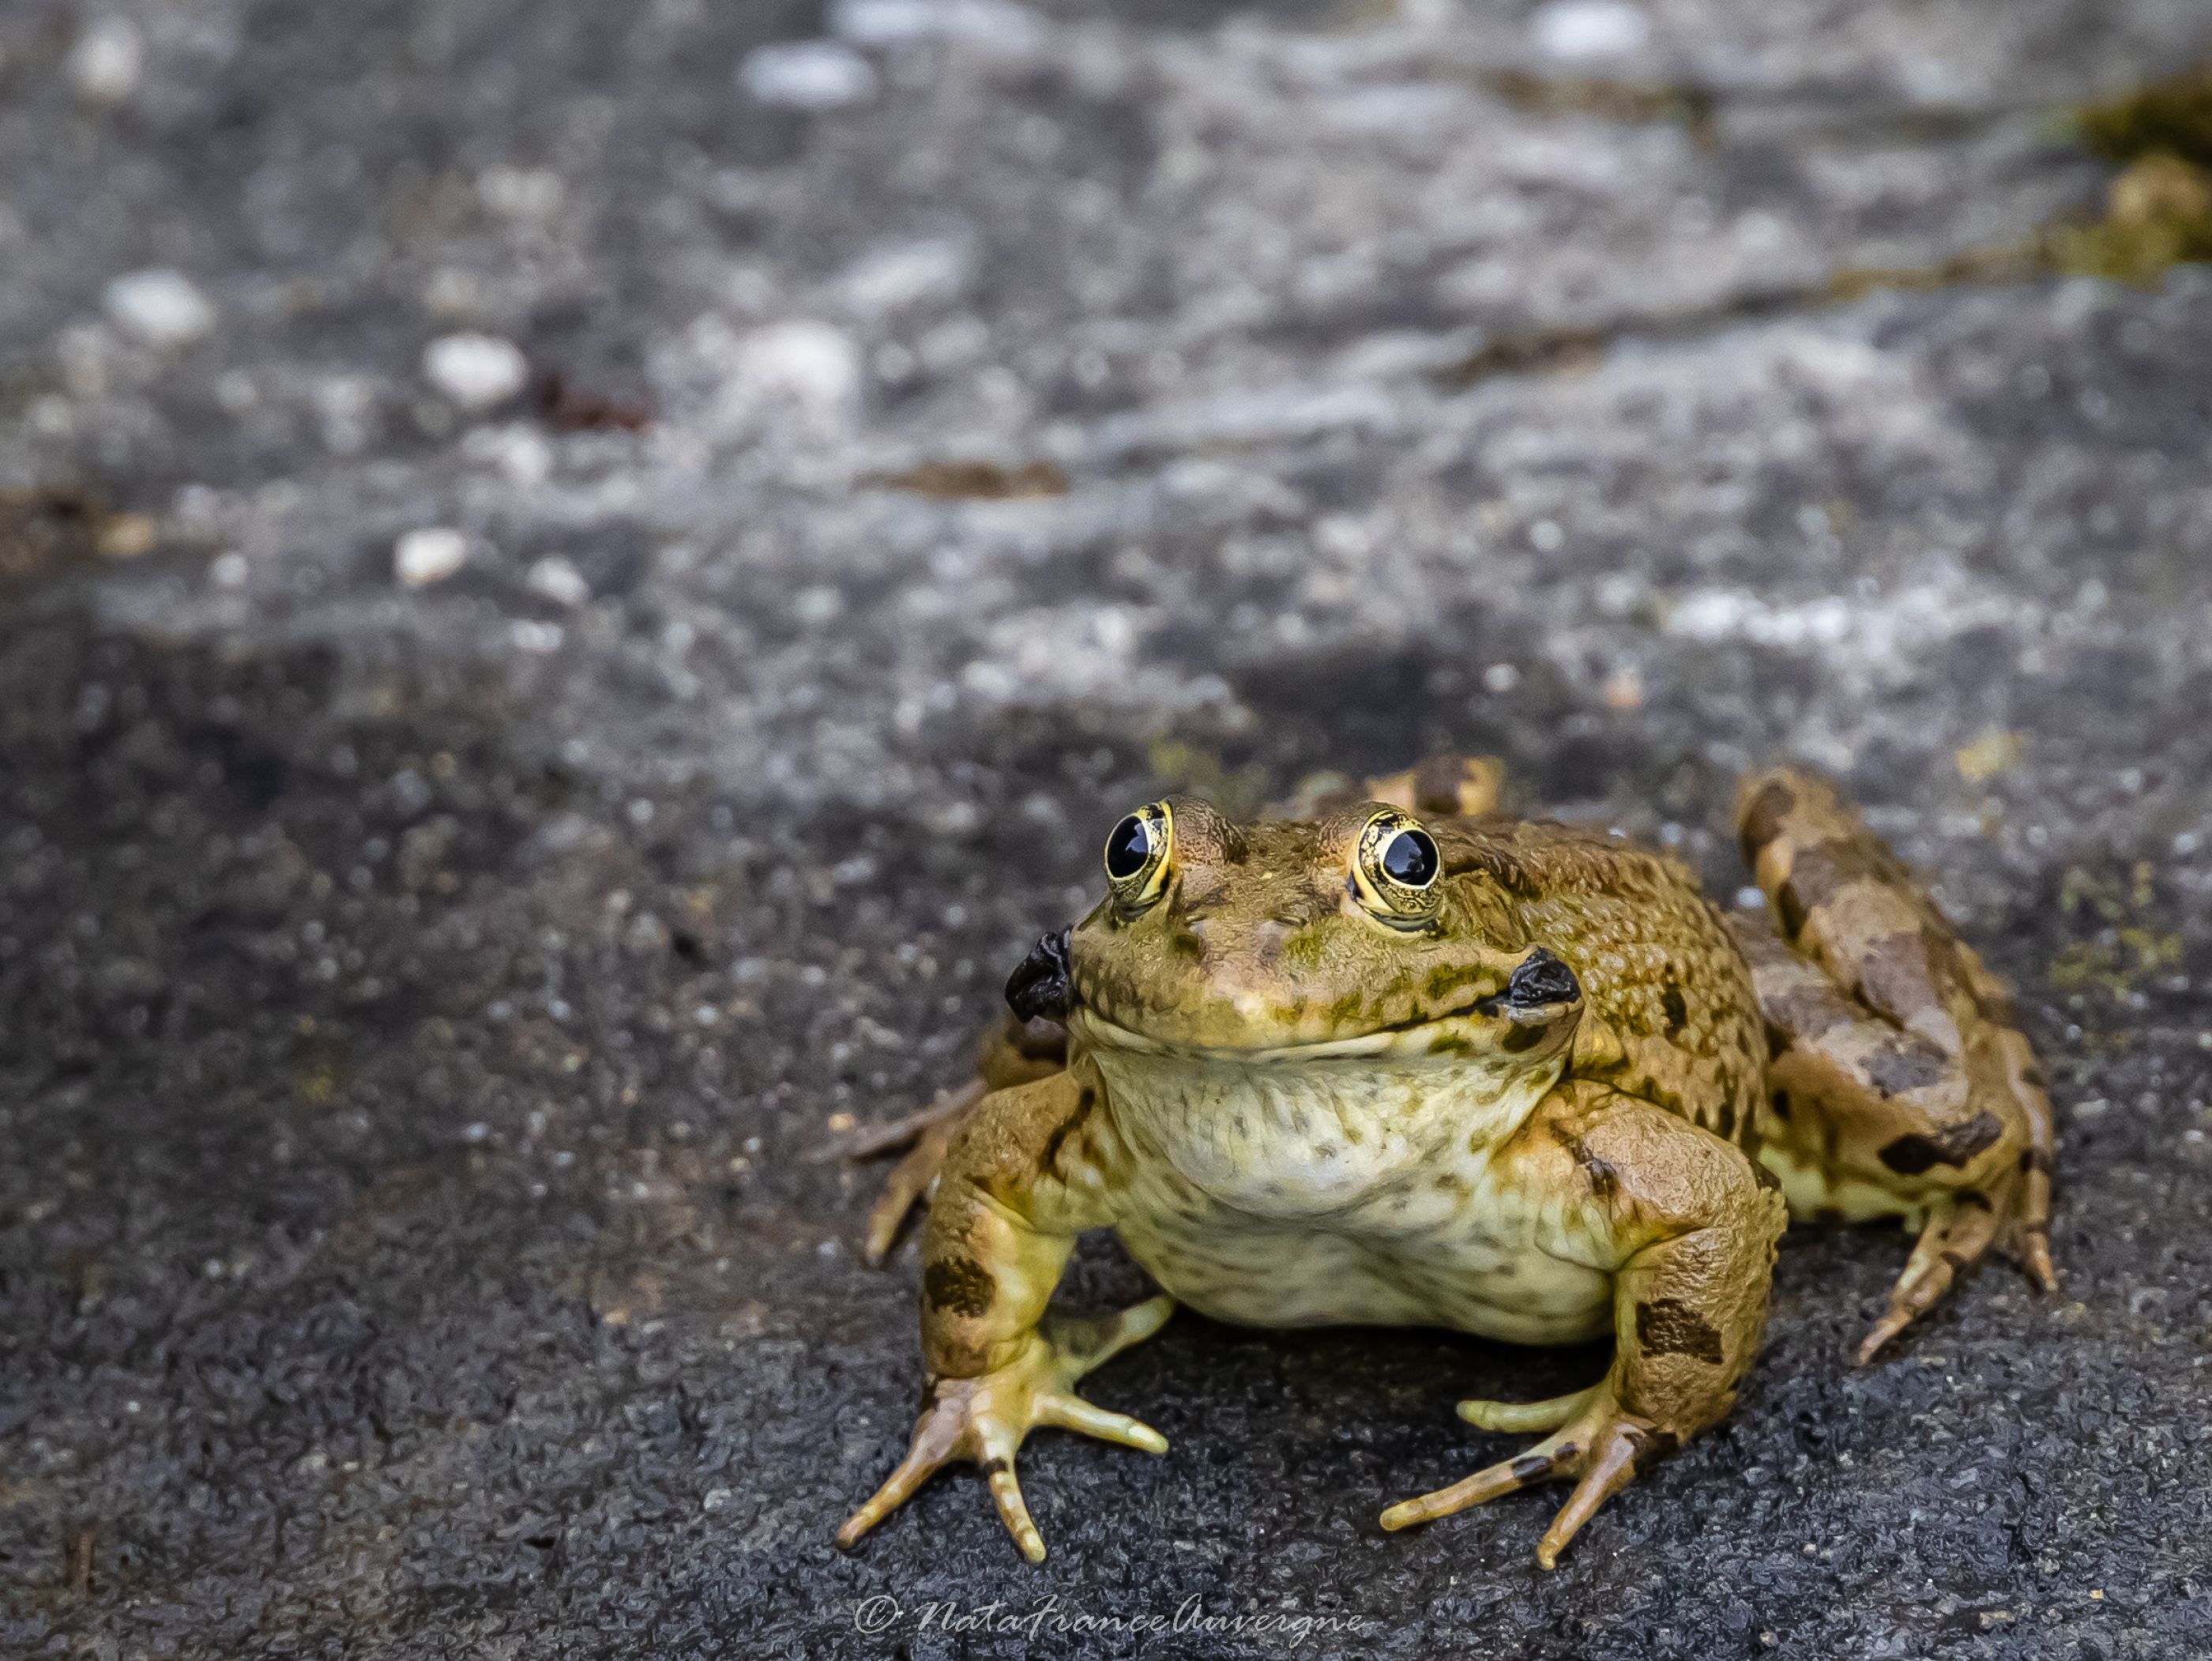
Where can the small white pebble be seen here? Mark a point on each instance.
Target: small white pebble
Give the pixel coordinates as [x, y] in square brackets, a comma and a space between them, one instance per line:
[817, 606]
[161, 308]
[1545, 536]
[555, 579]
[521, 192]
[539, 638]
[715, 1499]
[1748, 898]
[1578, 30]
[108, 62]
[228, 570]
[807, 75]
[429, 555]
[1501, 678]
[475, 1132]
[475, 371]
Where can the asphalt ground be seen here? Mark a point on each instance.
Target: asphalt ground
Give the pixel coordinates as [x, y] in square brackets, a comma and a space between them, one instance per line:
[424, 1004]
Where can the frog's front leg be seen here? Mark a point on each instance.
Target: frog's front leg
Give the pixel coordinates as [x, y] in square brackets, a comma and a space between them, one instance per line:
[1013, 1052]
[1026, 1174]
[1682, 1222]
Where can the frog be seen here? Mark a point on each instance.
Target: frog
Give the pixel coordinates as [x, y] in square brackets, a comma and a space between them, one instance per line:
[1402, 1059]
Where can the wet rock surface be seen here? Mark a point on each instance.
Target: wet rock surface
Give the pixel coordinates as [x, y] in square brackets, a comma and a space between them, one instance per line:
[576, 584]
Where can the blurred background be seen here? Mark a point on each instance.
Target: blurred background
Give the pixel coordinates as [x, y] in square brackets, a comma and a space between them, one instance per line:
[577, 581]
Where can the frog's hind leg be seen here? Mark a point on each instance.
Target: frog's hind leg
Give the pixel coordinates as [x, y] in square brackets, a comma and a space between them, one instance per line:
[1899, 1083]
[1013, 1052]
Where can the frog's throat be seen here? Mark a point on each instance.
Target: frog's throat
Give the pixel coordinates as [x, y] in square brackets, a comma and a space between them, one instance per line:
[1444, 1037]
[1321, 1129]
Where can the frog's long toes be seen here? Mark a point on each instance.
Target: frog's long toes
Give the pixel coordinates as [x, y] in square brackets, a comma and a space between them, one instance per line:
[1089, 1342]
[2031, 1249]
[1007, 1493]
[1610, 1467]
[1539, 1463]
[908, 1181]
[1958, 1232]
[912, 1471]
[1073, 1413]
[1529, 1418]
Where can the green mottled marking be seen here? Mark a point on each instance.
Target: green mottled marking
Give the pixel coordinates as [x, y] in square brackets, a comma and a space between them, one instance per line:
[1448, 978]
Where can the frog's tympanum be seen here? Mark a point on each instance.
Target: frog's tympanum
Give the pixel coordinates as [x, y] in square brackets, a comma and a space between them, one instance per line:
[1406, 1062]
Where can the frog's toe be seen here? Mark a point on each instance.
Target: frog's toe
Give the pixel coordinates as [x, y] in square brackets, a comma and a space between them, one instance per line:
[1073, 1413]
[1609, 1467]
[1602, 1445]
[939, 1440]
[1956, 1233]
[2030, 1245]
[1087, 1341]
[1006, 1494]
[1529, 1418]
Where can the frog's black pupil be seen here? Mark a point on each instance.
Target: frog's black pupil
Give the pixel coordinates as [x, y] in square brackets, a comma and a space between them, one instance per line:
[1409, 857]
[1127, 848]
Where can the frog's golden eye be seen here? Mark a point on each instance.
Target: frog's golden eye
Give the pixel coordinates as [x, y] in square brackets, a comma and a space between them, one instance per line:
[1395, 869]
[1137, 857]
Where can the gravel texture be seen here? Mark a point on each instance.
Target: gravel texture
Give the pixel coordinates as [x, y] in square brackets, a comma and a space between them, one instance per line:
[462, 849]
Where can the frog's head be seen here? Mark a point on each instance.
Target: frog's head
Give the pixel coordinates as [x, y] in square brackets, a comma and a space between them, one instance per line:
[1363, 934]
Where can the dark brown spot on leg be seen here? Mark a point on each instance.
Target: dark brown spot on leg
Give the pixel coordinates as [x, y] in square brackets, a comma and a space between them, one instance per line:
[1897, 976]
[1668, 1326]
[1913, 1154]
[1801, 1014]
[993, 1466]
[1048, 1160]
[1905, 1065]
[1530, 1466]
[959, 1286]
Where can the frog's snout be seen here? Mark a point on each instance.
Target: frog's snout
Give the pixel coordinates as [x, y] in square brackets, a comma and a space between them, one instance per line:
[1040, 985]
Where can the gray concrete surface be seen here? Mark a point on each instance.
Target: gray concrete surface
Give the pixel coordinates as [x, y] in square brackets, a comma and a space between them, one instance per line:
[421, 1006]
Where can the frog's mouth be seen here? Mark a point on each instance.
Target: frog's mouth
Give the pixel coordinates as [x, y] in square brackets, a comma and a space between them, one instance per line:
[1540, 999]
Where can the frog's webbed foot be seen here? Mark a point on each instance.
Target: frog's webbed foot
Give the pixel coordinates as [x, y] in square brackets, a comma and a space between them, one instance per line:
[986, 1419]
[1598, 1443]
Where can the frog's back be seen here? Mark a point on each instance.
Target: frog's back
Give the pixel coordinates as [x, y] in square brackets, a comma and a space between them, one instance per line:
[1677, 1023]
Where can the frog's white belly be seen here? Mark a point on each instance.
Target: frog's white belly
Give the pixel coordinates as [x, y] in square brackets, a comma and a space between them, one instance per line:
[1289, 1197]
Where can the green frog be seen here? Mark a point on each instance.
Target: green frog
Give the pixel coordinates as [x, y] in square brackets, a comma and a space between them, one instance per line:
[1402, 1060]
